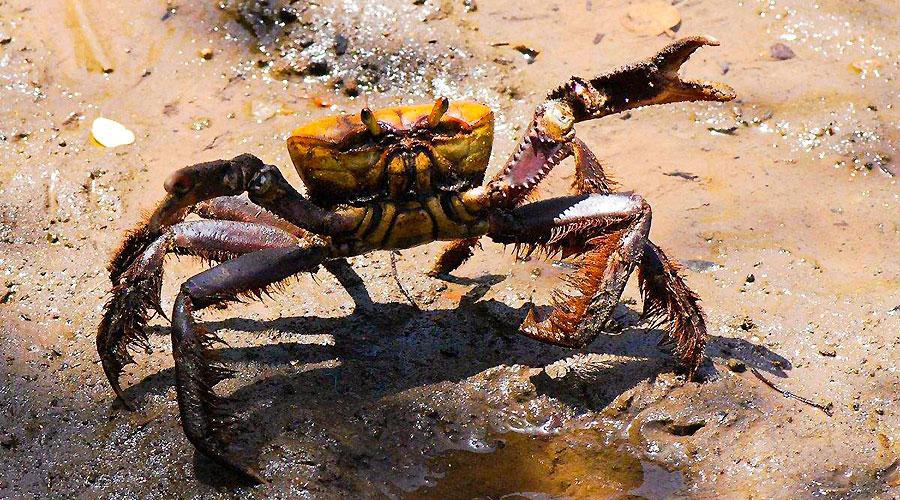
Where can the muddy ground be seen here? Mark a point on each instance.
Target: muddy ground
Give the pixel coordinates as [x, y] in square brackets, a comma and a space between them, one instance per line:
[782, 206]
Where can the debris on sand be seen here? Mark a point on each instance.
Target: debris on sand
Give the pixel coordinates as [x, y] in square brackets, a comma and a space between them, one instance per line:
[781, 52]
[652, 18]
[110, 134]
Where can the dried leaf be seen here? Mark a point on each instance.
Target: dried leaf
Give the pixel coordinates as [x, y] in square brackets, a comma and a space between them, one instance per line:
[109, 133]
[651, 18]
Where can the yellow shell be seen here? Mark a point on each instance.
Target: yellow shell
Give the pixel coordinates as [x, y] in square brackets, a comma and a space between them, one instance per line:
[340, 161]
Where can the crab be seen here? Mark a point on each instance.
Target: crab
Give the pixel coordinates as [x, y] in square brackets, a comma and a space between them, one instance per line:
[392, 179]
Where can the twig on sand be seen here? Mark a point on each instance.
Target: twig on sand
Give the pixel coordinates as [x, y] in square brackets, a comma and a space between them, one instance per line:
[828, 408]
[406, 294]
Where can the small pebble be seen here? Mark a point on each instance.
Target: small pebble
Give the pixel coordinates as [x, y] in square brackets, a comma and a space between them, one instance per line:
[340, 44]
[781, 52]
[206, 53]
[750, 278]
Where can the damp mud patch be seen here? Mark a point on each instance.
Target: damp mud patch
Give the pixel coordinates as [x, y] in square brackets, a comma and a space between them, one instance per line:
[575, 464]
[392, 46]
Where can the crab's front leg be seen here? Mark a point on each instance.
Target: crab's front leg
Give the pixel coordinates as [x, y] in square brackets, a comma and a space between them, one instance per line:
[136, 268]
[204, 415]
[608, 236]
[605, 232]
[263, 183]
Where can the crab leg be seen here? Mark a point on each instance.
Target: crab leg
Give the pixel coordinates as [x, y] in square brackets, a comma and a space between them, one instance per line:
[606, 232]
[137, 292]
[204, 416]
[551, 136]
[667, 298]
[240, 209]
[653, 81]
[204, 181]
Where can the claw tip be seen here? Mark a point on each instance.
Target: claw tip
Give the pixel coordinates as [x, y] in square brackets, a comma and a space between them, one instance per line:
[710, 40]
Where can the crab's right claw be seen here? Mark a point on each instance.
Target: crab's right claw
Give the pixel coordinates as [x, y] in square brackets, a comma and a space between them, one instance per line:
[653, 81]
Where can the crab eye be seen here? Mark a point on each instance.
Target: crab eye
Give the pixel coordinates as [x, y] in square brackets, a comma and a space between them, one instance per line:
[178, 183]
[440, 107]
[370, 122]
[261, 183]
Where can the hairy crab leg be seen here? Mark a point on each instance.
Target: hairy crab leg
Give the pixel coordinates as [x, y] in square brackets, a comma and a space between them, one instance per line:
[137, 292]
[607, 234]
[667, 298]
[204, 181]
[241, 209]
[204, 415]
[551, 138]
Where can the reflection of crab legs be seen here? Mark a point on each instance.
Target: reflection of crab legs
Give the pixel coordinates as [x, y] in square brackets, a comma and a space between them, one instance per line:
[549, 140]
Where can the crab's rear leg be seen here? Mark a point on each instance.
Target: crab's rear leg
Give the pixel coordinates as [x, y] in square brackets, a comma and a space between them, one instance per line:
[205, 416]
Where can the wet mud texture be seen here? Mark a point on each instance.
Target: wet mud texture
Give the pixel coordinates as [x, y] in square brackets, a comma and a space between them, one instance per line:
[781, 206]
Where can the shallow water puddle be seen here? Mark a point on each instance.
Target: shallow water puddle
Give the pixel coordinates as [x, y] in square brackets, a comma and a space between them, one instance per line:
[571, 465]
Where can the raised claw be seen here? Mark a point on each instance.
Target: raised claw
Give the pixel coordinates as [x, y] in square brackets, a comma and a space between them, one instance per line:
[653, 81]
[669, 61]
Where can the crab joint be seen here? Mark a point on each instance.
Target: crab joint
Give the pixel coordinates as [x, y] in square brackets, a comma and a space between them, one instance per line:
[370, 122]
[554, 121]
[440, 107]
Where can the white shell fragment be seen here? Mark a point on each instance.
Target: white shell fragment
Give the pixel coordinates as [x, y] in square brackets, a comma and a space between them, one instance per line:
[110, 133]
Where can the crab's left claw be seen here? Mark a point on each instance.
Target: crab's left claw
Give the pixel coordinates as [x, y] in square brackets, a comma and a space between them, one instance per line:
[669, 61]
[653, 81]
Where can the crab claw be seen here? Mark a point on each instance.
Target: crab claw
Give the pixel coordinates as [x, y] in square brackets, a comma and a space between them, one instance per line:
[669, 61]
[653, 81]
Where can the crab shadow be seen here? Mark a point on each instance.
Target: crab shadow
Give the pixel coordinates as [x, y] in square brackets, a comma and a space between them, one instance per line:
[382, 350]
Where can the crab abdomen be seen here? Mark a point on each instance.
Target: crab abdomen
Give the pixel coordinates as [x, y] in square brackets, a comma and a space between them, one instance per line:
[389, 225]
[407, 157]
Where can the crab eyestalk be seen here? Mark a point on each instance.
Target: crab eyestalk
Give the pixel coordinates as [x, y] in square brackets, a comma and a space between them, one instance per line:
[437, 112]
[368, 119]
